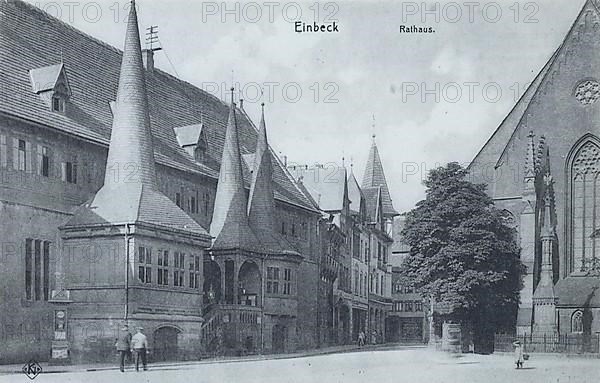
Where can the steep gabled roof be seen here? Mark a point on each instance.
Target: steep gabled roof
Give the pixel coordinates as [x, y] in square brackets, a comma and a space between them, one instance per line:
[375, 176]
[34, 39]
[355, 194]
[496, 149]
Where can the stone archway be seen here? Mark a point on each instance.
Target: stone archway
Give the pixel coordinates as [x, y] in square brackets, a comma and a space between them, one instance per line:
[212, 283]
[165, 343]
[249, 284]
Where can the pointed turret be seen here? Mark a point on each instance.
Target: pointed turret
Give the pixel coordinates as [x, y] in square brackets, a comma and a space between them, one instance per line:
[548, 236]
[544, 298]
[375, 176]
[130, 155]
[229, 223]
[261, 206]
[130, 192]
[261, 203]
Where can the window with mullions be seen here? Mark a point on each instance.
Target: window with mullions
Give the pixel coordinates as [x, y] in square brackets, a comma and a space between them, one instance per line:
[179, 269]
[194, 271]
[287, 281]
[273, 280]
[163, 267]
[37, 269]
[145, 264]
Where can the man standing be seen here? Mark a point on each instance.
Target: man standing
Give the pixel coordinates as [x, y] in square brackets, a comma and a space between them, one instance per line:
[123, 345]
[139, 343]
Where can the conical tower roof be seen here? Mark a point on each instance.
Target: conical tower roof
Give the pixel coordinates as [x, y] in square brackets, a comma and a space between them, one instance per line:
[130, 193]
[131, 155]
[229, 223]
[375, 176]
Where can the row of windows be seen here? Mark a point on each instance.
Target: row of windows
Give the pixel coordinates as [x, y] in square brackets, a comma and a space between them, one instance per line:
[293, 230]
[408, 306]
[163, 268]
[39, 159]
[403, 289]
[37, 269]
[360, 283]
[377, 284]
[191, 203]
[274, 282]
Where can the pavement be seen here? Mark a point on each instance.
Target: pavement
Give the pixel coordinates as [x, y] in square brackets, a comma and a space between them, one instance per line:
[55, 369]
[394, 364]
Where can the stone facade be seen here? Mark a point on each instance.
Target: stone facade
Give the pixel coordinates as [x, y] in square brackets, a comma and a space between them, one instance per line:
[552, 130]
[53, 166]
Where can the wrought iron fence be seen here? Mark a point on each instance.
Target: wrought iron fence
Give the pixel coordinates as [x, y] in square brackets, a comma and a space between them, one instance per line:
[565, 343]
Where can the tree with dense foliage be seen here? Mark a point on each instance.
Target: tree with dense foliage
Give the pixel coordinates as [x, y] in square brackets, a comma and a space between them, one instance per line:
[463, 255]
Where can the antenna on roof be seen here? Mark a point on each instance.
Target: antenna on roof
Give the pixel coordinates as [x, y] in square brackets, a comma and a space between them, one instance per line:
[152, 38]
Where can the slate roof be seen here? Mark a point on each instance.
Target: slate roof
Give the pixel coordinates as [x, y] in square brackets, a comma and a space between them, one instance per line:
[229, 225]
[372, 200]
[261, 202]
[578, 291]
[375, 176]
[33, 39]
[136, 199]
[355, 194]
[142, 205]
[494, 152]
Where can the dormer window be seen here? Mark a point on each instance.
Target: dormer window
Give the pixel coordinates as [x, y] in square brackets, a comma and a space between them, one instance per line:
[51, 84]
[58, 104]
[192, 138]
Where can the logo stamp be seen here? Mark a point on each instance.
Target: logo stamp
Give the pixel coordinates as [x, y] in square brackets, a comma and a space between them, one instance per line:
[32, 369]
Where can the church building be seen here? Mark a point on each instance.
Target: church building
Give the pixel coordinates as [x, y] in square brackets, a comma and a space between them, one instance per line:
[542, 167]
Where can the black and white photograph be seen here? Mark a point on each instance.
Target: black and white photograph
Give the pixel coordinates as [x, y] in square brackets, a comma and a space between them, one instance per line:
[300, 191]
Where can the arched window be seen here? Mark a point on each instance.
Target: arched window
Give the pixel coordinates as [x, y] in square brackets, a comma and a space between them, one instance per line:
[585, 206]
[577, 322]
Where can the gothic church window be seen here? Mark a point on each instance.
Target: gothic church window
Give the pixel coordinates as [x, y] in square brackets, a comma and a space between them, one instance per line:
[585, 207]
[577, 322]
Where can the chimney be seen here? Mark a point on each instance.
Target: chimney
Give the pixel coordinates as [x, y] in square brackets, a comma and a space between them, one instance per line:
[241, 103]
[148, 59]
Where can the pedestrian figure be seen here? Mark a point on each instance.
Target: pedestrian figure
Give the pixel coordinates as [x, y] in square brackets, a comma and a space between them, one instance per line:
[374, 337]
[123, 345]
[518, 354]
[361, 339]
[139, 343]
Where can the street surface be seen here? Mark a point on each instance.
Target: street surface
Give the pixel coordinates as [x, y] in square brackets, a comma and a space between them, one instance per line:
[410, 365]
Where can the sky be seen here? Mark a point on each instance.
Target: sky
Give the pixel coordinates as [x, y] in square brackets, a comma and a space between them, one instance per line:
[429, 98]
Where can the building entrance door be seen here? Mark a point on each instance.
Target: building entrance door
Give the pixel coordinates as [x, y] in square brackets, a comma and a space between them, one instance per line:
[165, 344]
[279, 338]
